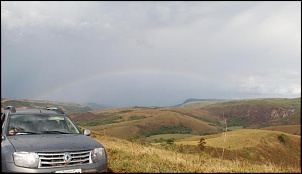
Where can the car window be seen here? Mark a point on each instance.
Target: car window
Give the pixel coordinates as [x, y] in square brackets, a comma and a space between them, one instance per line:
[36, 124]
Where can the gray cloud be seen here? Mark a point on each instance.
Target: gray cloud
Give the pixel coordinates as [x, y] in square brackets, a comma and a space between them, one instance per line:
[100, 51]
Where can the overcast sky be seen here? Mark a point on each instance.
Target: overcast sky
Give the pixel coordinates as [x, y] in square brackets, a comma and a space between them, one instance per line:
[144, 53]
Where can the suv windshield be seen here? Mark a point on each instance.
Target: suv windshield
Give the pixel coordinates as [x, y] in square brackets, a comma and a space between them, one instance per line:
[40, 124]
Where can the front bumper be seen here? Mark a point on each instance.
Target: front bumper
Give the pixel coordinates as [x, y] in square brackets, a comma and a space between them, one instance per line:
[87, 168]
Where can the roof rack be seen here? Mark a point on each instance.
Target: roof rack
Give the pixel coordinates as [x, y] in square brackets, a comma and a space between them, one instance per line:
[58, 110]
[11, 108]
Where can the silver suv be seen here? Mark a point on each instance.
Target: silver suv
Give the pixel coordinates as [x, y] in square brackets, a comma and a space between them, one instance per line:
[47, 141]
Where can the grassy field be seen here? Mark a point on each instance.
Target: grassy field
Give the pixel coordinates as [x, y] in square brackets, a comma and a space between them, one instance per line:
[253, 145]
[137, 157]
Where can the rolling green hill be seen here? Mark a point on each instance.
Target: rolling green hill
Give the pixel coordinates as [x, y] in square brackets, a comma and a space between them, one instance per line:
[211, 117]
[145, 121]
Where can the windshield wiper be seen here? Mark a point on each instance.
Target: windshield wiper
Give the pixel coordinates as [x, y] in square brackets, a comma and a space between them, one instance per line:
[25, 132]
[54, 132]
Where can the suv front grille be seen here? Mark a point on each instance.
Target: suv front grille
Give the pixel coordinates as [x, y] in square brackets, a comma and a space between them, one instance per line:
[63, 159]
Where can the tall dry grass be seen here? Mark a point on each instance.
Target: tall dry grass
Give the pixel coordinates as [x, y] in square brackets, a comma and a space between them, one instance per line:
[134, 157]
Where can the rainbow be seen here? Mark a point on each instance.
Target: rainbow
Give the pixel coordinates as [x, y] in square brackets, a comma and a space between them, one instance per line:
[119, 72]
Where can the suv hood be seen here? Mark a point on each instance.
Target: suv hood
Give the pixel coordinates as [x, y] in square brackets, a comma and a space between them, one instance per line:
[53, 142]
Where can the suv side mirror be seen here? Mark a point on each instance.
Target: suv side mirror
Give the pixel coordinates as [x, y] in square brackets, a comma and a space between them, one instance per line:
[86, 132]
[2, 138]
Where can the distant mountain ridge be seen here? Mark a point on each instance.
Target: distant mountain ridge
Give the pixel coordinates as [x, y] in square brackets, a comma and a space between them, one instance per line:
[96, 106]
[195, 100]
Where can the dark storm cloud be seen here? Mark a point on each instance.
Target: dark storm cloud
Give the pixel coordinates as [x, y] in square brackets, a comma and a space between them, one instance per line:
[51, 50]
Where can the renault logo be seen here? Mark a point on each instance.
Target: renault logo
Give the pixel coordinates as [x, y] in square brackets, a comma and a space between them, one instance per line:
[67, 158]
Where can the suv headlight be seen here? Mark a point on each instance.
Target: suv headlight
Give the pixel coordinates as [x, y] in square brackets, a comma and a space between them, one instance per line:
[26, 159]
[98, 154]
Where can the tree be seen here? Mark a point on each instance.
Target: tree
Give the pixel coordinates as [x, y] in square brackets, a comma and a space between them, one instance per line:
[201, 144]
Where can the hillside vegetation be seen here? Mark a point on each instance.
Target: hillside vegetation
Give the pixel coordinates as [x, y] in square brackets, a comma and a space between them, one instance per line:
[208, 119]
[290, 129]
[253, 113]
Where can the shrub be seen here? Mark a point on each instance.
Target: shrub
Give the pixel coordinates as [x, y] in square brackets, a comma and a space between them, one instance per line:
[170, 140]
[137, 117]
[281, 138]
